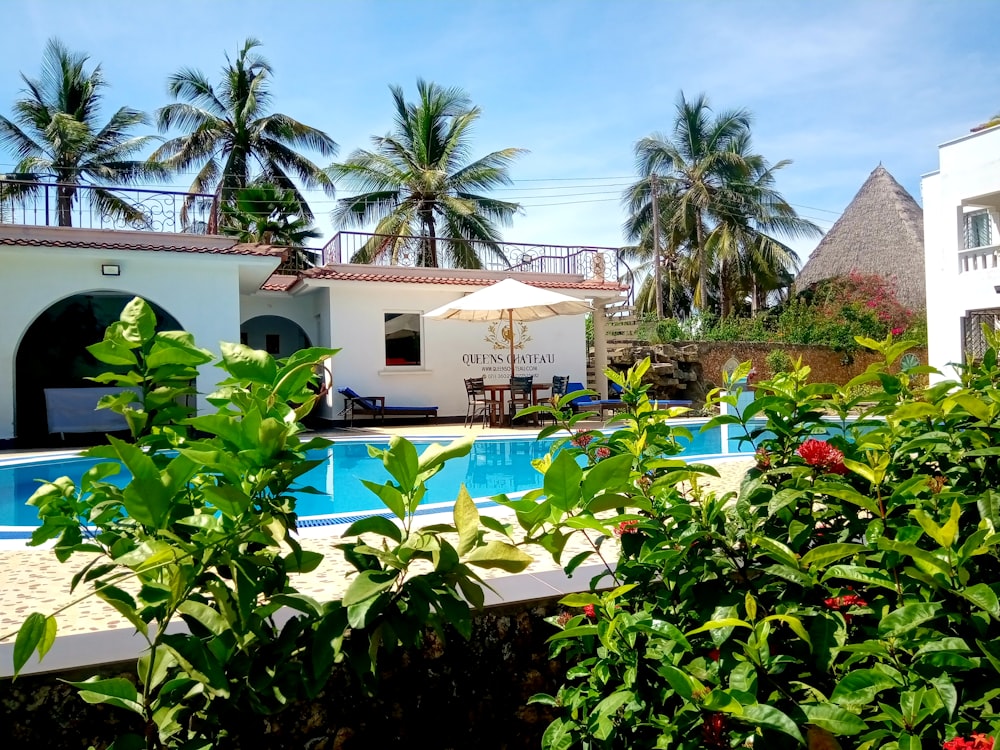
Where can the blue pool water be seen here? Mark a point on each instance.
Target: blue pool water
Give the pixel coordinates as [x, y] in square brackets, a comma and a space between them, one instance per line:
[494, 465]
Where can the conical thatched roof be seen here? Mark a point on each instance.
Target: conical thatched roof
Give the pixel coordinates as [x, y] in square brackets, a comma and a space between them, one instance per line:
[880, 232]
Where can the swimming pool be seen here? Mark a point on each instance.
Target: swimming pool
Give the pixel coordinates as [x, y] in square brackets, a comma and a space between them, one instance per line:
[494, 465]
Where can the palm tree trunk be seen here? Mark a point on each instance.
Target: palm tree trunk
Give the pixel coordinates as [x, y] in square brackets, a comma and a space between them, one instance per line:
[428, 250]
[64, 204]
[701, 295]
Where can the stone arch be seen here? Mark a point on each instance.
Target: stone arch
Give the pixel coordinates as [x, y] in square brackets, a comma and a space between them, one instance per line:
[52, 353]
[275, 334]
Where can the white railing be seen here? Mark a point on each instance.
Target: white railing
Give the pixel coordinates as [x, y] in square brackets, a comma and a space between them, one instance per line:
[978, 259]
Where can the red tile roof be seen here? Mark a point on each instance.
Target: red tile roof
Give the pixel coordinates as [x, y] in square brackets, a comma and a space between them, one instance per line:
[240, 249]
[280, 282]
[547, 281]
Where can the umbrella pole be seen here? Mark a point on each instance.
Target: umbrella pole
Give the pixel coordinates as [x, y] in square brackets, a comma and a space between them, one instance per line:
[510, 324]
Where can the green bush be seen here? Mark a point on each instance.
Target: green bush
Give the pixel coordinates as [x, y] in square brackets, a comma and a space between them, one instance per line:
[778, 360]
[204, 533]
[848, 597]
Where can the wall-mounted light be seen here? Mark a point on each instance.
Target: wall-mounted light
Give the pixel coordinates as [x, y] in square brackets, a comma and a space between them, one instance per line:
[111, 269]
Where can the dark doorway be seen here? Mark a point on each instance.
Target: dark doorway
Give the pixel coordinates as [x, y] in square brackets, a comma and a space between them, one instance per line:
[53, 354]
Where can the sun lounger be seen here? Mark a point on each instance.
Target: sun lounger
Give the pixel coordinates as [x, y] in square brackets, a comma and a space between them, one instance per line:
[584, 403]
[376, 407]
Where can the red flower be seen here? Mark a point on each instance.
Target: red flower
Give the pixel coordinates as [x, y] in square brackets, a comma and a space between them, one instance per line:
[823, 456]
[627, 527]
[713, 730]
[588, 609]
[848, 600]
[714, 654]
[897, 330]
[581, 439]
[602, 452]
[978, 742]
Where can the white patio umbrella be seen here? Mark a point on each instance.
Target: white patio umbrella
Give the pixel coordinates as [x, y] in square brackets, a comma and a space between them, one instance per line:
[510, 300]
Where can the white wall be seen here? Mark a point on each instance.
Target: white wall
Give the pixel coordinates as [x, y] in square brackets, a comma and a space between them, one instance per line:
[969, 174]
[200, 290]
[452, 350]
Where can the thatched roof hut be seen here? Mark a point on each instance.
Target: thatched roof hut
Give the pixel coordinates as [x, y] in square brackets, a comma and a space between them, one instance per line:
[880, 232]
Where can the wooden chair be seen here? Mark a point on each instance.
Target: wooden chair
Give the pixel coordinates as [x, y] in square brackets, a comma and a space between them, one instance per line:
[478, 403]
[520, 396]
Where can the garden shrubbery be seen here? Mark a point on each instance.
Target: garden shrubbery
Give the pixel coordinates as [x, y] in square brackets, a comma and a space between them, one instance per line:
[830, 313]
[847, 597]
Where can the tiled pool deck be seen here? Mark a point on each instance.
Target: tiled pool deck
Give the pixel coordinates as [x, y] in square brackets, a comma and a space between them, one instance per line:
[32, 580]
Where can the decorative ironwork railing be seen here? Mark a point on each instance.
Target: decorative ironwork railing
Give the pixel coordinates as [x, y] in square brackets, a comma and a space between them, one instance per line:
[56, 204]
[384, 250]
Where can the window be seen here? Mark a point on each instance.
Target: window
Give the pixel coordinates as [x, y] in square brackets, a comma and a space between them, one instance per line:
[402, 340]
[978, 232]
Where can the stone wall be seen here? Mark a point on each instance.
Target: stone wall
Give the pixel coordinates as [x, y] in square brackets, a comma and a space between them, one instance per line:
[688, 369]
[465, 694]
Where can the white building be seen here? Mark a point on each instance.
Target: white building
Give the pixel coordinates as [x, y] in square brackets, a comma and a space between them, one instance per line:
[961, 203]
[59, 283]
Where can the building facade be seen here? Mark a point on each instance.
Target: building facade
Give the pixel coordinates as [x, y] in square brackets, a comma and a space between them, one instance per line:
[961, 201]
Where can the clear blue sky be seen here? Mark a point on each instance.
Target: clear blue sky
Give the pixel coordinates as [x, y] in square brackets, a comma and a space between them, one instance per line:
[837, 86]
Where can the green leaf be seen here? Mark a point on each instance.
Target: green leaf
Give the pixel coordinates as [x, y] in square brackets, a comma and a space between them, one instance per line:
[145, 498]
[400, 460]
[943, 535]
[33, 634]
[559, 735]
[466, 521]
[792, 622]
[116, 691]
[228, 499]
[771, 718]
[375, 525]
[502, 555]
[390, 496]
[435, 454]
[983, 597]
[728, 622]
[214, 622]
[367, 585]
[113, 352]
[247, 364]
[859, 688]
[562, 481]
[833, 719]
[907, 618]
[825, 554]
[860, 574]
[176, 348]
[608, 475]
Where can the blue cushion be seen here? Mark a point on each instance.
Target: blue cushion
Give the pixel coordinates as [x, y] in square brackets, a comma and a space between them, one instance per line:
[353, 395]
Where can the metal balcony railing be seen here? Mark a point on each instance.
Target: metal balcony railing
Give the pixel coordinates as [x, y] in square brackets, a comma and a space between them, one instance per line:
[383, 250]
[54, 204]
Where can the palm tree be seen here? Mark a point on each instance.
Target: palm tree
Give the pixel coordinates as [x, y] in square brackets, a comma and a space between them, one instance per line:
[232, 139]
[418, 175]
[718, 208]
[55, 134]
[268, 215]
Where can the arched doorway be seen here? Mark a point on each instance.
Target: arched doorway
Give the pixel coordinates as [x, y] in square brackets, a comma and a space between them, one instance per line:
[53, 354]
[279, 337]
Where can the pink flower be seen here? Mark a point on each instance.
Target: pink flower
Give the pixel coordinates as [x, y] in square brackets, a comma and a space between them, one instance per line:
[627, 527]
[602, 452]
[588, 609]
[582, 439]
[898, 330]
[763, 459]
[823, 456]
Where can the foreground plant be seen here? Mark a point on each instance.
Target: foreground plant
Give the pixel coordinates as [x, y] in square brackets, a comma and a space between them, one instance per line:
[847, 597]
[204, 534]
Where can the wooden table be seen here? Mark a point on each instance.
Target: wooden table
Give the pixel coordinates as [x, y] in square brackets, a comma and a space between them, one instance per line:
[498, 403]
